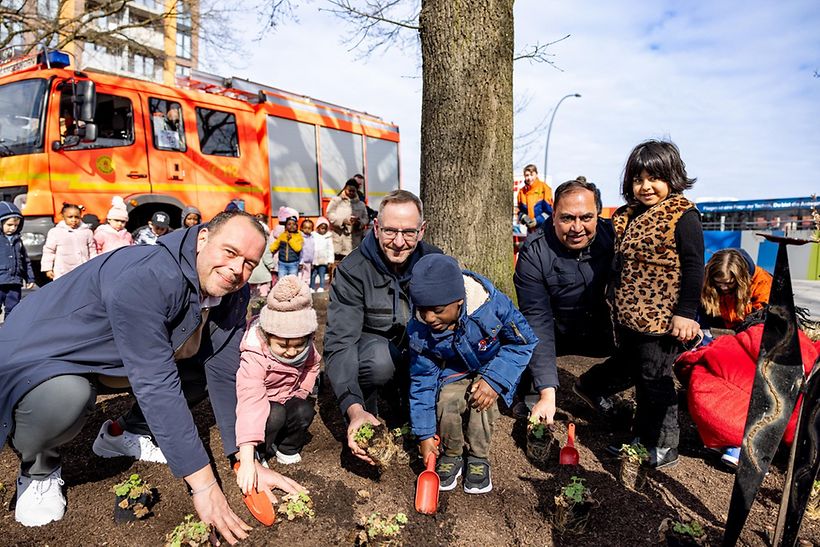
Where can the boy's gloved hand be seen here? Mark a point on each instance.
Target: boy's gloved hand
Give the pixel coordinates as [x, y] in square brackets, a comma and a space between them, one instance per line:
[482, 396]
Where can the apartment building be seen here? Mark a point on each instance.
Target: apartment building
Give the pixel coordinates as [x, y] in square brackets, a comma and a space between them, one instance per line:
[149, 39]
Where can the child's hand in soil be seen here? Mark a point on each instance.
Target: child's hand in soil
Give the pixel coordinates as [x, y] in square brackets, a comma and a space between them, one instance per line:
[427, 447]
[544, 409]
[246, 478]
[482, 396]
[268, 480]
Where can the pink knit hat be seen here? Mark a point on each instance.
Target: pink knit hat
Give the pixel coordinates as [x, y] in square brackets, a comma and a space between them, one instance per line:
[289, 311]
[285, 213]
[118, 210]
[322, 220]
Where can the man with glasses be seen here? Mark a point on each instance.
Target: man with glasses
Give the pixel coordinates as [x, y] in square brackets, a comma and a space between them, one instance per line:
[365, 345]
[560, 279]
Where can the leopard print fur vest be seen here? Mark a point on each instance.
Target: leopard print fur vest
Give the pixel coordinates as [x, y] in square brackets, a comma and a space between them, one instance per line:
[648, 270]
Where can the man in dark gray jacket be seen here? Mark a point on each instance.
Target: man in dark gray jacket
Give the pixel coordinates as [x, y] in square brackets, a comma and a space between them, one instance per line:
[560, 279]
[133, 317]
[365, 340]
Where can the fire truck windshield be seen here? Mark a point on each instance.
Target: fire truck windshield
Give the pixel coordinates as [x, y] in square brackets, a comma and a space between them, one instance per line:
[21, 109]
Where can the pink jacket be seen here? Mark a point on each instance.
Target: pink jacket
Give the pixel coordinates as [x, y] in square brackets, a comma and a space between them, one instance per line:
[66, 248]
[262, 379]
[108, 239]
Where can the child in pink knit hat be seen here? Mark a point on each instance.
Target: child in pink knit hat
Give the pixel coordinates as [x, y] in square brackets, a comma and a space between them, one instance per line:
[278, 369]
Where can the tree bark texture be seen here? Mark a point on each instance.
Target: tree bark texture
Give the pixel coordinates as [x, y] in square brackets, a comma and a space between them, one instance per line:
[467, 132]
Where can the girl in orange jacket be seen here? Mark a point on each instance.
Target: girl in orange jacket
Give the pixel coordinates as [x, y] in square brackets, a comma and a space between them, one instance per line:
[733, 288]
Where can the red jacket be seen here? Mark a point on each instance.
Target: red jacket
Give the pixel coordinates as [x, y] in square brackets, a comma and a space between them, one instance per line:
[719, 378]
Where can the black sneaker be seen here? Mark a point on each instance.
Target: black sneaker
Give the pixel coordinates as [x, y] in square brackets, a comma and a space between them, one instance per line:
[604, 405]
[477, 479]
[449, 470]
[660, 457]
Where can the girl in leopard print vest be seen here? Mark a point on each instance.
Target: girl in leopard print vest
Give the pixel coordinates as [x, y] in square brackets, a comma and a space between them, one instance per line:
[659, 273]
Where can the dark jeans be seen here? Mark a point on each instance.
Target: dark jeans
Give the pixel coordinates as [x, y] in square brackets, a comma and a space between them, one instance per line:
[383, 367]
[644, 361]
[287, 426]
[9, 297]
[318, 271]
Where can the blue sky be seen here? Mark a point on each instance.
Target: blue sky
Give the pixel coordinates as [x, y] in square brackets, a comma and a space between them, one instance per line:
[731, 83]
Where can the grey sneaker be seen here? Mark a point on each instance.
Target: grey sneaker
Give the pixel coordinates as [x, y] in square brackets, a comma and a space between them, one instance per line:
[660, 457]
[477, 480]
[449, 470]
[604, 405]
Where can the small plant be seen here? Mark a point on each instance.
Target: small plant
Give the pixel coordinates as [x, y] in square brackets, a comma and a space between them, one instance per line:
[364, 434]
[635, 453]
[813, 507]
[572, 507]
[679, 533]
[401, 431]
[297, 505]
[379, 530]
[575, 490]
[190, 532]
[538, 429]
[133, 498]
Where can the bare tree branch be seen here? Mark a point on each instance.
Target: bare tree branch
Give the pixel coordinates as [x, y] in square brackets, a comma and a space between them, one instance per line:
[380, 23]
[537, 53]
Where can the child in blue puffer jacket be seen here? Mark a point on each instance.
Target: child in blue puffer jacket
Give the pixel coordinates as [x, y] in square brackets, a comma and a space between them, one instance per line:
[468, 345]
[15, 266]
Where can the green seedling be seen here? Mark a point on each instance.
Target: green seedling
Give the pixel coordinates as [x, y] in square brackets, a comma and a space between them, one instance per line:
[575, 490]
[815, 490]
[401, 431]
[297, 505]
[691, 529]
[385, 527]
[538, 429]
[132, 487]
[636, 453]
[364, 434]
[189, 532]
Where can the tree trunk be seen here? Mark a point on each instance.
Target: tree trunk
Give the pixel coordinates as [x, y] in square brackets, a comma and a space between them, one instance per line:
[466, 132]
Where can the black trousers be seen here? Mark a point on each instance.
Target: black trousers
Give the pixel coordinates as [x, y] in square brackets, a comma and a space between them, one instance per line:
[287, 426]
[645, 361]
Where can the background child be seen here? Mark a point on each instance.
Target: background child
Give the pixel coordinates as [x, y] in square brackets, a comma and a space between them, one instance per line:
[278, 369]
[157, 227]
[191, 217]
[308, 250]
[288, 248]
[322, 254]
[733, 288]
[68, 244]
[659, 265]
[468, 345]
[113, 235]
[15, 266]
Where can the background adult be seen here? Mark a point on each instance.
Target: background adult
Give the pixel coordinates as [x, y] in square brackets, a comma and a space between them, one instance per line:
[560, 279]
[164, 320]
[348, 218]
[534, 199]
[365, 340]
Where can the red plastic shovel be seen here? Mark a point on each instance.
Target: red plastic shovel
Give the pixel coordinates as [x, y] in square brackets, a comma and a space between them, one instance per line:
[568, 454]
[427, 488]
[259, 504]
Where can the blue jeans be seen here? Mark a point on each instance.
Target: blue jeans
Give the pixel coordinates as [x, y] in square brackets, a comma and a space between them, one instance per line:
[9, 297]
[288, 268]
[319, 270]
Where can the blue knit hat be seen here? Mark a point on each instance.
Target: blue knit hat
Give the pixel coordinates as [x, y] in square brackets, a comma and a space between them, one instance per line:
[436, 281]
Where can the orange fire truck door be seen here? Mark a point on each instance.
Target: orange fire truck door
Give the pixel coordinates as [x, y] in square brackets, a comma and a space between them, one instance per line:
[170, 126]
[114, 164]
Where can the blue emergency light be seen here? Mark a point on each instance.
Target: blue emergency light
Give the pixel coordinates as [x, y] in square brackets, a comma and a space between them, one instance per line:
[56, 59]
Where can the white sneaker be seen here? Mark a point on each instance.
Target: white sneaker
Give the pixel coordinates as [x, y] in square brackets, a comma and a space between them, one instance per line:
[320, 289]
[288, 459]
[39, 501]
[141, 447]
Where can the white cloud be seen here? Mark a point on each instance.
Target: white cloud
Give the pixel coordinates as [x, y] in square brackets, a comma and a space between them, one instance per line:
[730, 83]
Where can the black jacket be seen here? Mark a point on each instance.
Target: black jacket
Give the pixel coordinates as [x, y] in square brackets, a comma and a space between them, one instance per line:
[562, 293]
[366, 296]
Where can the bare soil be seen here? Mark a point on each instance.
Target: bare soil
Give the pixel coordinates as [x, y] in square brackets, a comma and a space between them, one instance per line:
[517, 512]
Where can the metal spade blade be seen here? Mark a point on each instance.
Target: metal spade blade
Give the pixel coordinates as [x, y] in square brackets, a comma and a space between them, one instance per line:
[776, 385]
[803, 464]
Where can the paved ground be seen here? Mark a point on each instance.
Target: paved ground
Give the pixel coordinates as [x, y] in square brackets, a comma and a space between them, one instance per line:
[807, 295]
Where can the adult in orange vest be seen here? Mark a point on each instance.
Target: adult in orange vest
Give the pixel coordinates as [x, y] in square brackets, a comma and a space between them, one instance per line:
[534, 199]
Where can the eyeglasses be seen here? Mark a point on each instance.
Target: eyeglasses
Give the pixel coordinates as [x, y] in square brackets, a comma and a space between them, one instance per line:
[409, 234]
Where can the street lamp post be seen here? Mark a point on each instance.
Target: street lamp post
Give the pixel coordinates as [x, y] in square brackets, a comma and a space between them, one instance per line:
[549, 130]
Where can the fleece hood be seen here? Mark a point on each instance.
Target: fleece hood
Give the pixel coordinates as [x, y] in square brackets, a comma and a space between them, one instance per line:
[10, 210]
